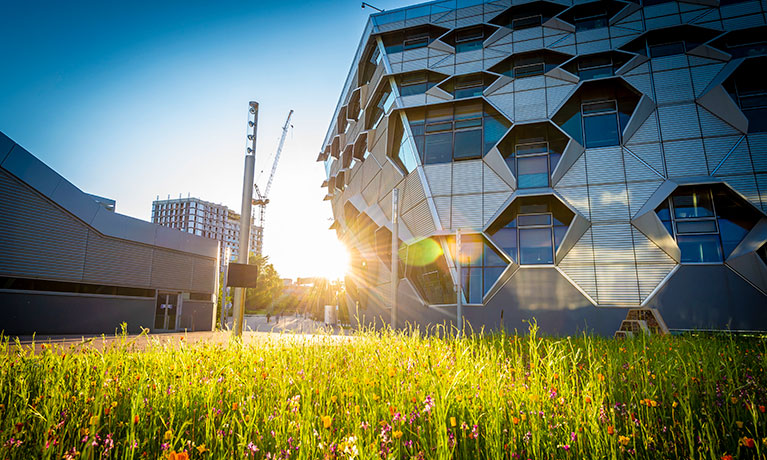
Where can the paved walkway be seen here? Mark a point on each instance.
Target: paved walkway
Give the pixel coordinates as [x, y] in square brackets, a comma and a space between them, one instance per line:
[257, 329]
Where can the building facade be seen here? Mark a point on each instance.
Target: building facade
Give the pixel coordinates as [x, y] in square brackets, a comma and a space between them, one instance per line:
[202, 218]
[70, 265]
[597, 156]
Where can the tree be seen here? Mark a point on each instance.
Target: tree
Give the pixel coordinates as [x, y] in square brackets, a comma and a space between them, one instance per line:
[269, 285]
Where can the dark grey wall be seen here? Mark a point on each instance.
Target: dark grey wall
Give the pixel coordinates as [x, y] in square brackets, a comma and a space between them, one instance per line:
[542, 294]
[710, 297]
[22, 313]
[196, 316]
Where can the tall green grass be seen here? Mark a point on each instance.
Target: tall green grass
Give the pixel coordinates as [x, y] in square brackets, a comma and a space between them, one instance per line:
[390, 395]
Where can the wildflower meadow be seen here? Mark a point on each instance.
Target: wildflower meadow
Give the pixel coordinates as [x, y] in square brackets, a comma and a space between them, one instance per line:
[389, 395]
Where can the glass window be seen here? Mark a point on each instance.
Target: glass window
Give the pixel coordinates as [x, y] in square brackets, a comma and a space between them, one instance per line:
[455, 131]
[709, 222]
[526, 22]
[749, 91]
[667, 49]
[700, 248]
[533, 171]
[595, 67]
[415, 83]
[595, 21]
[535, 246]
[468, 144]
[469, 39]
[481, 266]
[600, 124]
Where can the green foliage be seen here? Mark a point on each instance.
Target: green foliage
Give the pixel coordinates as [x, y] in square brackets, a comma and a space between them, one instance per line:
[390, 395]
[269, 285]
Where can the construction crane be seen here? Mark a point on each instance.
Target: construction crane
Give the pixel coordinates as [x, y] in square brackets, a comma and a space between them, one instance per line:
[262, 199]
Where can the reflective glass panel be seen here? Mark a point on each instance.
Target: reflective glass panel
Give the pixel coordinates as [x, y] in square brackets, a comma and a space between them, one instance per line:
[468, 144]
[732, 234]
[700, 248]
[535, 246]
[527, 220]
[491, 276]
[506, 238]
[525, 23]
[492, 258]
[601, 130]
[693, 203]
[696, 226]
[439, 148]
[666, 49]
[533, 172]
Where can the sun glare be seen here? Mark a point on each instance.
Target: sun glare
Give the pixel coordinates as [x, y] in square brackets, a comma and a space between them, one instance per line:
[338, 265]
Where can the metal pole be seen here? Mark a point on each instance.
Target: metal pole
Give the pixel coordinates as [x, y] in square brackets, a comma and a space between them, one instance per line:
[394, 255]
[245, 216]
[224, 289]
[459, 287]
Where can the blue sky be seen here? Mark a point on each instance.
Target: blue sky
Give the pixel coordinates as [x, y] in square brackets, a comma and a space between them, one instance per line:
[131, 100]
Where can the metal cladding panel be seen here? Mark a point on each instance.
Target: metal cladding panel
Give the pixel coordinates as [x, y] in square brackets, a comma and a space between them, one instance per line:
[414, 100]
[390, 177]
[739, 162]
[491, 182]
[584, 277]
[530, 105]
[685, 158]
[617, 284]
[504, 102]
[593, 46]
[371, 192]
[650, 276]
[613, 243]
[636, 170]
[528, 45]
[378, 151]
[746, 186]
[440, 178]
[529, 83]
[647, 252]
[385, 204]
[582, 253]
[527, 34]
[171, 270]
[584, 36]
[679, 122]
[576, 175]
[204, 275]
[370, 169]
[703, 75]
[414, 193]
[556, 96]
[674, 61]
[467, 177]
[355, 182]
[717, 148]
[31, 170]
[418, 64]
[577, 197]
[642, 83]
[639, 193]
[605, 165]
[467, 211]
[609, 203]
[492, 204]
[761, 180]
[419, 220]
[743, 22]
[664, 21]
[646, 133]
[757, 143]
[417, 53]
[111, 261]
[711, 125]
[443, 205]
[468, 56]
[673, 86]
[37, 238]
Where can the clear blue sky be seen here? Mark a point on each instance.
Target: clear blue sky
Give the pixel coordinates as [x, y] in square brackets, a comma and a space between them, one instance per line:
[136, 99]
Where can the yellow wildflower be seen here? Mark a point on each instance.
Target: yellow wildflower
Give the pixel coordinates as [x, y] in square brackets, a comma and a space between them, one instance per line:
[397, 434]
[624, 440]
[452, 421]
[326, 421]
[168, 435]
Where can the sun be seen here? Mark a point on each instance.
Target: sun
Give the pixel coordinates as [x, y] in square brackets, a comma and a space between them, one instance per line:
[336, 264]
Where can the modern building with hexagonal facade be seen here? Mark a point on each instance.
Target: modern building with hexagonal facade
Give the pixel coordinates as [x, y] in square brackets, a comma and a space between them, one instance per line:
[596, 156]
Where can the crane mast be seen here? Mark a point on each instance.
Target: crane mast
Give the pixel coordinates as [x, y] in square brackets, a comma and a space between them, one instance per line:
[262, 199]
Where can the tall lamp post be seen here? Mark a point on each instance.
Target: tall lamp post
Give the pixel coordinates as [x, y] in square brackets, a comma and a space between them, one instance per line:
[245, 215]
